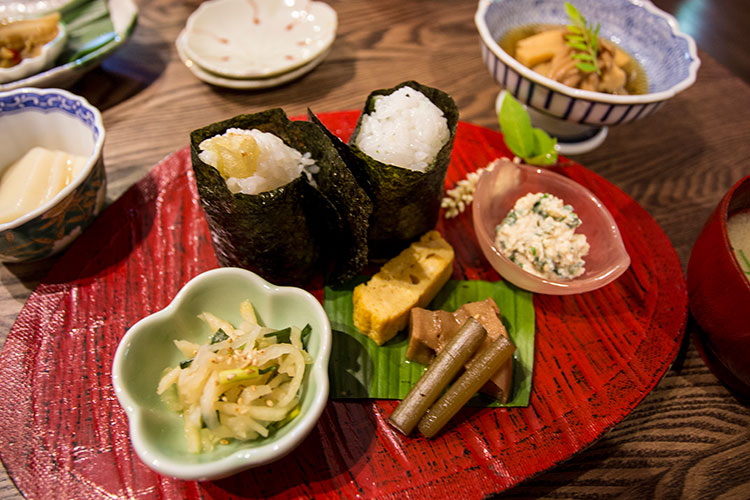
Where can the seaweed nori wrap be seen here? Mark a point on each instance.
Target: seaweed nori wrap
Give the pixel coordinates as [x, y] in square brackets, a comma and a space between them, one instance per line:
[406, 203]
[293, 233]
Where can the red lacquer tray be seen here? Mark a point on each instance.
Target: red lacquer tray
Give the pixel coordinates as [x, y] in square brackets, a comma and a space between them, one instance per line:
[63, 434]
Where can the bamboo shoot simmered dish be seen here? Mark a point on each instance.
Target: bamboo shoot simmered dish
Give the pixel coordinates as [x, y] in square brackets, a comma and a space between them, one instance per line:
[576, 56]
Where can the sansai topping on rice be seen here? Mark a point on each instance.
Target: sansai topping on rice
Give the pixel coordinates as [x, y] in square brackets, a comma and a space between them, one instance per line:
[538, 234]
[253, 162]
[240, 385]
[405, 129]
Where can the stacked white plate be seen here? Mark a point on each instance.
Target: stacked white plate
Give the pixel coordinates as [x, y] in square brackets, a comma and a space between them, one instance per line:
[252, 44]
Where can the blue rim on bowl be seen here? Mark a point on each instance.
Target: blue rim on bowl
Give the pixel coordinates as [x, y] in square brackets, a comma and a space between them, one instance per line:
[147, 348]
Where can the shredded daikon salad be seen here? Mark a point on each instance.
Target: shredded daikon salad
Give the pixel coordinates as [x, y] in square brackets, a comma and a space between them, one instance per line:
[241, 385]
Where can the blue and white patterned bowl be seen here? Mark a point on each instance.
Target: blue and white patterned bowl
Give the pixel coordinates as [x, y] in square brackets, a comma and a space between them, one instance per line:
[650, 35]
[54, 119]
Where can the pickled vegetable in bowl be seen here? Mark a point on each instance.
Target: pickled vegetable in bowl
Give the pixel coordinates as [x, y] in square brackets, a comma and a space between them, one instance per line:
[148, 352]
[241, 384]
[496, 193]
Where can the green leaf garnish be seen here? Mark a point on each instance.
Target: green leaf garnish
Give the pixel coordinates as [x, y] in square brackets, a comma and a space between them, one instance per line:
[531, 144]
[584, 38]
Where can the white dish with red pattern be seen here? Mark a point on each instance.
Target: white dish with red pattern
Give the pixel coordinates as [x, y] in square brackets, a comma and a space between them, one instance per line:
[258, 38]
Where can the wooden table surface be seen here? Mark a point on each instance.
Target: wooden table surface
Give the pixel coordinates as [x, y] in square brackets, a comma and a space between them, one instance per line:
[690, 437]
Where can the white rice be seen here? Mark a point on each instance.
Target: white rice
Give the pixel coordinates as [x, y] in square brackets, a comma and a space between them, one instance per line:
[278, 164]
[405, 129]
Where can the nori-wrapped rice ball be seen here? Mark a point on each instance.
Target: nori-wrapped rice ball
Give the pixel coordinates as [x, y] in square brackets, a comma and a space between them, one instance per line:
[293, 233]
[406, 202]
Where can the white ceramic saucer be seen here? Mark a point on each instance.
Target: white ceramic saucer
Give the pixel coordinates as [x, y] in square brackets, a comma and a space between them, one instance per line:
[243, 83]
[258, 38]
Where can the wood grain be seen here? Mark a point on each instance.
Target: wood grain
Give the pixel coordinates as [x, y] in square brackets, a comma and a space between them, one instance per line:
[689, 437]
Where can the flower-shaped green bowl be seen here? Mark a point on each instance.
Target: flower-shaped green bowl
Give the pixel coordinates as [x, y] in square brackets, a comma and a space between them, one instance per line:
[148, 348]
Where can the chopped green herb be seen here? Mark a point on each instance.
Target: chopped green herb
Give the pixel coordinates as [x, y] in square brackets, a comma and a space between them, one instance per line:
[572, 221]
[305, 336]
[583, 38]
[537, 208]
[274, 426]
[219, 336]
[282, 336]
[186, 363]
[267, 370]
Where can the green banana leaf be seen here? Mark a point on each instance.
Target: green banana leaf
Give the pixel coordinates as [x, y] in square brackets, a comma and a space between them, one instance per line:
[359, 368]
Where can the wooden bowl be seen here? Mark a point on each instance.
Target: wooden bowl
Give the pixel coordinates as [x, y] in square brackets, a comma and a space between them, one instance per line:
[719, 295]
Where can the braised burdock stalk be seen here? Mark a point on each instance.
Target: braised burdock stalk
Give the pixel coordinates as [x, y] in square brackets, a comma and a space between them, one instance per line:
[438, 375]
[490, 359]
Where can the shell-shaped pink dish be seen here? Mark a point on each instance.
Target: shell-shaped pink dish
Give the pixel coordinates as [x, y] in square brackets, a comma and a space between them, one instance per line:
[497, 192]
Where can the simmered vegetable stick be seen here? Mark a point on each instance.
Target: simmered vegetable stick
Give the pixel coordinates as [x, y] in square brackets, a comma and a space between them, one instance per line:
[480, 371]
[439, 374]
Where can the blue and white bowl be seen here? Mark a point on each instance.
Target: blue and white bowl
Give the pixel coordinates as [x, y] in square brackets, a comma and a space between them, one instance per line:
[58, 120]
[668, 56]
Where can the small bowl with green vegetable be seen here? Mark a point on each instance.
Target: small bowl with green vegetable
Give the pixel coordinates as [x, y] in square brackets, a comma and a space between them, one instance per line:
[232, 374]
[628, 59]
[718, 283]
